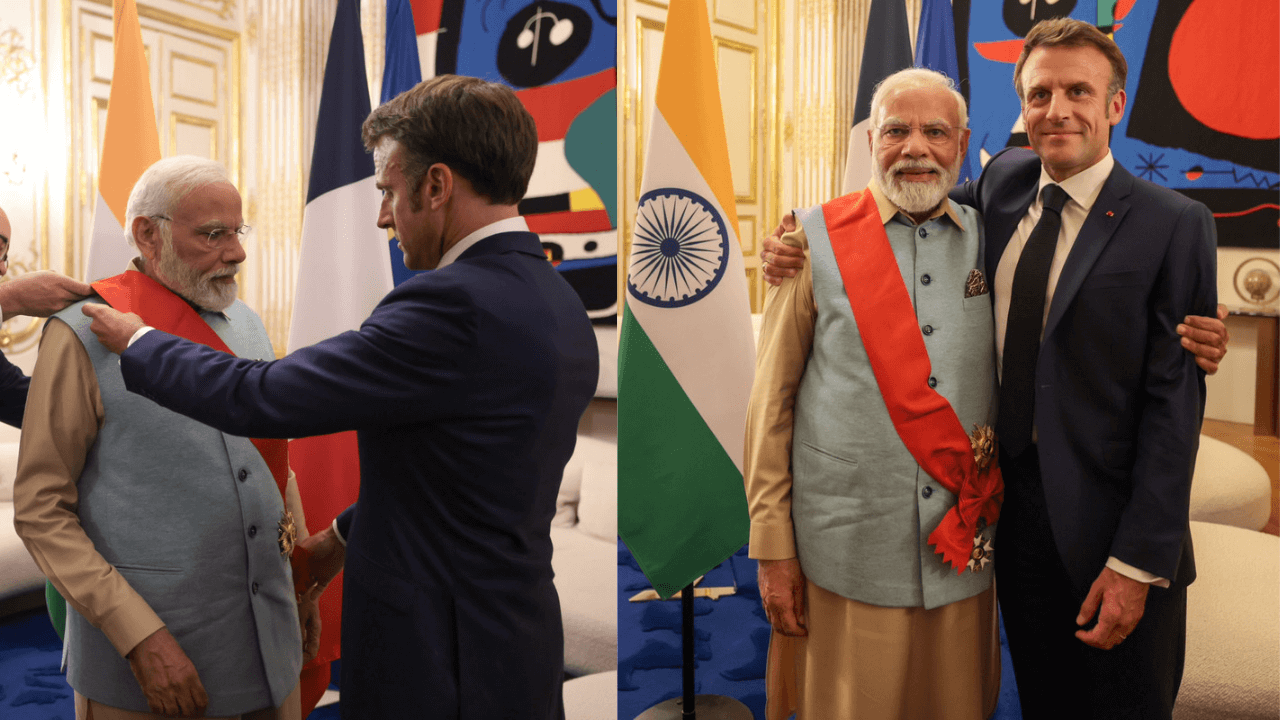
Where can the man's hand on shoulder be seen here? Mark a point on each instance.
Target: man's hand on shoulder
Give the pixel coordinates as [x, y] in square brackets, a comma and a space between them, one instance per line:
[167, 678]
[40, 294]
[1119, 602]
[779, 259]
[112, 327]
[1206, 338]
[782, 592]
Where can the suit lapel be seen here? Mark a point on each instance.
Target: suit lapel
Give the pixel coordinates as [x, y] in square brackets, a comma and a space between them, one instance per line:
[1008, 201]
[1107, 213]
[1002, 224]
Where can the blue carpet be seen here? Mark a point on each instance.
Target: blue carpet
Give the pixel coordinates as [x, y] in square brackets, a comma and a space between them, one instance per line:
[32, 687]
[731, 637]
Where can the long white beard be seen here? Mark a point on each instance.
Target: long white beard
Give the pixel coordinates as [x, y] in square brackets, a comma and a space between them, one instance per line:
[197, 288]
[916, 198]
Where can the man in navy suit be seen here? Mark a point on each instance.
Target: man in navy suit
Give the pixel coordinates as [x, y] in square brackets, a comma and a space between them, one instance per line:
[1098, 475]
[37, 294]
[1100, 406]
[465, 386]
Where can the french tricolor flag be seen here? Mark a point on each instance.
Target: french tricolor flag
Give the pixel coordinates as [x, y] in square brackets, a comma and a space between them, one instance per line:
[343, 271]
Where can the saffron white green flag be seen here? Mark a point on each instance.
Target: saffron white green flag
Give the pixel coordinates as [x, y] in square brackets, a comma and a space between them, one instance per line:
[686, 357]
[130, 145]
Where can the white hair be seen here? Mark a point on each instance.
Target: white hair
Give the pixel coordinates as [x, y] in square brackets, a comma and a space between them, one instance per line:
[166, 183]
[915, 79]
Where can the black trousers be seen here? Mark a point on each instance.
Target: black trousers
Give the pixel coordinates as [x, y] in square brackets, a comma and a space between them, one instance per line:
[1059, 676]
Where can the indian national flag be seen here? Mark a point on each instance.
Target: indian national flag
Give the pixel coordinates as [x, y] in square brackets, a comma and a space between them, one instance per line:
[130, 144]
[687, 357]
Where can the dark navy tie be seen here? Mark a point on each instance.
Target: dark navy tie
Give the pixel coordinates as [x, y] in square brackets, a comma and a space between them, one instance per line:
[1026, 321]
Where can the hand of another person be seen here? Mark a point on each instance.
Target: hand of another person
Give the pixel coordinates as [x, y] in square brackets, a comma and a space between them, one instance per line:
[779, 259]
[1207, 338]
[168, 679]
[782, 592]
[40, 294]
[112, 327]
[327, 555]
[1122, 601]
[309, 618]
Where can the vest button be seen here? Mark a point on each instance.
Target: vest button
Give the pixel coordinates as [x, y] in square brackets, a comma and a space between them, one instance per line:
[254, 588]
[924, 233]
[933, 382]
[253, 531]
[925, 279]
[926, 492]
[244, 475]
[927, 329]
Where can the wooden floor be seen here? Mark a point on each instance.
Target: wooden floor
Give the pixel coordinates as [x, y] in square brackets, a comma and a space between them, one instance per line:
[1263, 448]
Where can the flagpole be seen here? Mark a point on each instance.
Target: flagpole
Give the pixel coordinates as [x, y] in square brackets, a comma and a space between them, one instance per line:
[686, 631]
[685, 707]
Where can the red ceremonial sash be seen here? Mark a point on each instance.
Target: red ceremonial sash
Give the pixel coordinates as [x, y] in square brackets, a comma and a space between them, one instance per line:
[160, 308]
[895, 348]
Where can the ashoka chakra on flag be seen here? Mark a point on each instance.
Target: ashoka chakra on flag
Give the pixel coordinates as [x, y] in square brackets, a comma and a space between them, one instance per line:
[680, 250]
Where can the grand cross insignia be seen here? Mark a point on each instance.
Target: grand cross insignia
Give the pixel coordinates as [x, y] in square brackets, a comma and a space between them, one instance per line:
[982, 553]
[287, 533]
[983, 442]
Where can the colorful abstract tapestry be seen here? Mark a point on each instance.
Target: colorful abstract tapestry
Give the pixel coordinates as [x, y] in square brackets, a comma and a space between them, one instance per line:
[561, 59]
[1203, 113]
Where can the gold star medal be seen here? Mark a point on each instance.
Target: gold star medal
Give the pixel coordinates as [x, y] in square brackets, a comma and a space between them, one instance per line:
[287, 533]
[983, 442]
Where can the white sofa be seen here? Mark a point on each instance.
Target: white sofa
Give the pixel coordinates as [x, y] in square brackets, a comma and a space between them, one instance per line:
[1232, 669]
[19, 574]
[1229, 487]
[584, 533]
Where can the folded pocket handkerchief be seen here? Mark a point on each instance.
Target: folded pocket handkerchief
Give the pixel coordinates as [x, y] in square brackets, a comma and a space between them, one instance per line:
[976, 284]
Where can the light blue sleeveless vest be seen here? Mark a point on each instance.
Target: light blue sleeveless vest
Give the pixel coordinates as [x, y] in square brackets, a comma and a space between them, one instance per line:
[861, 507]
[188, 516]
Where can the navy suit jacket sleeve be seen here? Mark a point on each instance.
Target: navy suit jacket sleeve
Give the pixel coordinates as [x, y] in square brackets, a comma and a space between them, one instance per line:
[1154, 522]
[405, 364]
[13, 392]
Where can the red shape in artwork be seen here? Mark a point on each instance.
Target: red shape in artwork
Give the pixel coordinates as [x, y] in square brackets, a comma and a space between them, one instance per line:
[578, 221]
[1195, 173]
[554, 107]
[1122, 8]
[426, 15]
[1222, 66]
[1254, 209]
[1005, 51]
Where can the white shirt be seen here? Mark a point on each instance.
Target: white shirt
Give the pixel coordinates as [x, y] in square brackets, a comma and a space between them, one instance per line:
[1082, 191]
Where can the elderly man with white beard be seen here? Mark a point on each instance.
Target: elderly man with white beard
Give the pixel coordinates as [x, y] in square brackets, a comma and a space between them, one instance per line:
[872, 494]
[170, 540]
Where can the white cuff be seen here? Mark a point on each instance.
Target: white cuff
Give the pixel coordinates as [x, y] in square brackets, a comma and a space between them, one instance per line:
[1134, 573]
[141, 331]
[338, 533]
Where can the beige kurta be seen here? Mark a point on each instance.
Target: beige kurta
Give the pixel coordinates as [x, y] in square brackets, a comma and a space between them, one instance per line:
[63, 416]
[858, 661]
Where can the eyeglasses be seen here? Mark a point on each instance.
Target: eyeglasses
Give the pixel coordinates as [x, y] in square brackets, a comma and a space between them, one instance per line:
[217, 238]
[935, 133]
